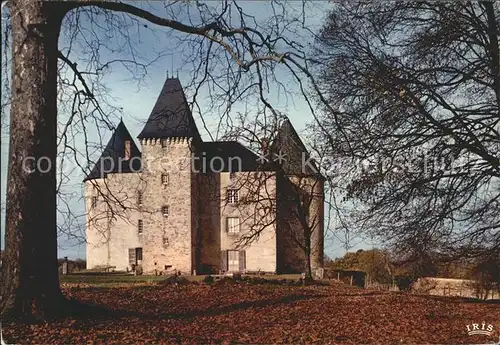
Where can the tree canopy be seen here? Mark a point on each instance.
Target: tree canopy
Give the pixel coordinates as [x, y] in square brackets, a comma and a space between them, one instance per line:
[416, 89]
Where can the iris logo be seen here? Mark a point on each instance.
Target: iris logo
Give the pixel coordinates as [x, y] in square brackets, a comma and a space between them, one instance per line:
[482, 328]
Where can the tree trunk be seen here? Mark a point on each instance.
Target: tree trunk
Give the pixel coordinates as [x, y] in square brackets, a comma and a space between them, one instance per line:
[307, 253]
[30, 281]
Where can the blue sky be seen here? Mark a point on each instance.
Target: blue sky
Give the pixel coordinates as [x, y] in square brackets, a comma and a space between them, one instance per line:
[136, 100]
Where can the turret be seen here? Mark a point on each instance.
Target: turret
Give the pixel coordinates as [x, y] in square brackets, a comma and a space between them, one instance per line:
[121, 155]
[299, 173]
[110, 189]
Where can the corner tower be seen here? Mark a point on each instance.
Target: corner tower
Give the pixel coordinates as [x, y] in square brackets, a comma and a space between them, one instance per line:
[300, 212]
[169, 222]
[110, 189]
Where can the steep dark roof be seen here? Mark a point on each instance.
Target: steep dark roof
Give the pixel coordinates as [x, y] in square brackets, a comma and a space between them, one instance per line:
[231, 153]
[109, 162]
[171, 116]
[289, 145]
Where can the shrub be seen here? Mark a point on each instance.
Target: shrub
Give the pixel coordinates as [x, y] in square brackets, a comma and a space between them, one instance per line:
[226, 280]
[138, 270]
[208, 279]
[175, 280]
[404, 282]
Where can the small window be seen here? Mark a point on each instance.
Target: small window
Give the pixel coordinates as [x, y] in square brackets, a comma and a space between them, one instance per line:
[127, 150]
[140, 226]
[139, 198]
[164, 211]
[232, 196]
[94, 202]
[138, 254]
[164, 143]
[233, 225]
[164, 179]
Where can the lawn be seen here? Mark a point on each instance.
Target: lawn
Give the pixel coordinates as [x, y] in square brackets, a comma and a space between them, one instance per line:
[112, 279]
[120, 279]
[240, 312]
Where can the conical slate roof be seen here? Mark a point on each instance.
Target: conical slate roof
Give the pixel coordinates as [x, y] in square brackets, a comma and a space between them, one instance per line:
[291, 149]
[171, 116]
[112, 159]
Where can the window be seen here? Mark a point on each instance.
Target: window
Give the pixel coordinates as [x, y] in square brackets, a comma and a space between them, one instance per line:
[127, 150]
[164, 143]
[164, 179]
[140, 226]
[139, 198]
[138, 254]
[94, 202]
[233, 260]
[134, 257]
[164, 211]
[232, 196]
[233, 225]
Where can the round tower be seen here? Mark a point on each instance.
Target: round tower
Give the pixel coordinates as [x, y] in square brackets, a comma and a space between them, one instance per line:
[300, 216]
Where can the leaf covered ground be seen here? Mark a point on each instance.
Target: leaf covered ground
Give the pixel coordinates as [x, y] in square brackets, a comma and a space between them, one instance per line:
[259, 314]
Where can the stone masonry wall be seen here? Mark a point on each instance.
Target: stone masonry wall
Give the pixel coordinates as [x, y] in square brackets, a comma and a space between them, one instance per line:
[256, 210]
[167, 239]
[111, 230]
[291, 257]
[193, 237]
[209, 206]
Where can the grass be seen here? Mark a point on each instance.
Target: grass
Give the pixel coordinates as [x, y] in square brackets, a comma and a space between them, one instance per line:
[121, 278]
[108, 279]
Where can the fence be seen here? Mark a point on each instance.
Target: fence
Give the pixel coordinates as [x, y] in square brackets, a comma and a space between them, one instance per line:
[380, 286]
[455, 287]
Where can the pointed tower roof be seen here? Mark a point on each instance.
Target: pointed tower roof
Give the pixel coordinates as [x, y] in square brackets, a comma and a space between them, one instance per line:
[114, 153]
[290, 147]
[171, 116]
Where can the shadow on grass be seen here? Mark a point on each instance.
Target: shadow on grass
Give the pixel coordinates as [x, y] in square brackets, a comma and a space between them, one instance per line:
[100, 313]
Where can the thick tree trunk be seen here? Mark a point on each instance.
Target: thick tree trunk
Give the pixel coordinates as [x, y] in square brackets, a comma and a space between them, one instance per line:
[30, 281]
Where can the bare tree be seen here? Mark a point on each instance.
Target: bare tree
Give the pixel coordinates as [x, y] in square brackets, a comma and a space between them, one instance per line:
[285, 193]
[416, 85]
[486, 275]
[220, 35]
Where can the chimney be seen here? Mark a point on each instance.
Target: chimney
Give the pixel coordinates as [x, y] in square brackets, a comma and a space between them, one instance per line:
[127, 150]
